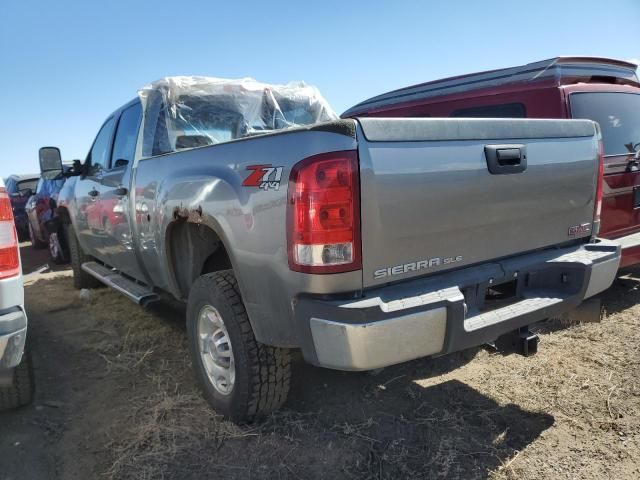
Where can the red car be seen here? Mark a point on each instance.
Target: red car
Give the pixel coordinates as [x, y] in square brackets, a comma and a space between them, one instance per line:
[600, 89]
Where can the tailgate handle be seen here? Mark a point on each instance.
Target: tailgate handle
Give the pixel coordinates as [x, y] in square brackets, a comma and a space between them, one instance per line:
[506, 159]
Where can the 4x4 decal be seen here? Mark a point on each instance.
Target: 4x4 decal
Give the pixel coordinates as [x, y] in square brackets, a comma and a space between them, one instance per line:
[266, 177]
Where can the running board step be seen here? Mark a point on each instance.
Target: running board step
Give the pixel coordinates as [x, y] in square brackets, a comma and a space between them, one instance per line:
[141, 294]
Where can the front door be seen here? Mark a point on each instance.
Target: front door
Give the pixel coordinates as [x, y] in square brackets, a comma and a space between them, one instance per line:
[89, 225]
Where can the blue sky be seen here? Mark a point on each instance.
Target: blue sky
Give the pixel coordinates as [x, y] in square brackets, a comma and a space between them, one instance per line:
[65, 65]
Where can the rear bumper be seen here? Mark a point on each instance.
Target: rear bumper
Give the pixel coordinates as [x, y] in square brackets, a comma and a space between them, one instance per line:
[13, 334]
[448, 312]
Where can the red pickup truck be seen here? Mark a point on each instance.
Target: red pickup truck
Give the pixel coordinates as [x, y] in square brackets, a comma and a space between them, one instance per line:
[600, 89]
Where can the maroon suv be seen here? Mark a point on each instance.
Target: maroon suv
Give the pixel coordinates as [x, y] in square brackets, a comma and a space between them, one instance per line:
[600, 89]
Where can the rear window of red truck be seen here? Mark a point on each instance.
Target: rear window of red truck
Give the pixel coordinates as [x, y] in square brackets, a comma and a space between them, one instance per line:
[618, 115]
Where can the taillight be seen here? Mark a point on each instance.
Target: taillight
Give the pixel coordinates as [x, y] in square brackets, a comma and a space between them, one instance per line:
[324, 214]
[597, 208]
[9, 260]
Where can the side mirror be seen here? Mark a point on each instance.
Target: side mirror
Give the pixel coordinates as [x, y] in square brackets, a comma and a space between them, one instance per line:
[50, 162]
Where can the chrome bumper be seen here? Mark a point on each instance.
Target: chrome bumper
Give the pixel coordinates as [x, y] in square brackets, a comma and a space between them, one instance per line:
[13, 335]
[374, 345]
[432, 316]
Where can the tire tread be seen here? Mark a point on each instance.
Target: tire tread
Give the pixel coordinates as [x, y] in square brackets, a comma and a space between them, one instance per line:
[270, 367]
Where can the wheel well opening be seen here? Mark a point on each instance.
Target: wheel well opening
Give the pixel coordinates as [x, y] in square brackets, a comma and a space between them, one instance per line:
[195, 249]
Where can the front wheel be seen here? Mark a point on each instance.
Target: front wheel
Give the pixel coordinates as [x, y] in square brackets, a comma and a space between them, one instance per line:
[81, 279]
[240, 377]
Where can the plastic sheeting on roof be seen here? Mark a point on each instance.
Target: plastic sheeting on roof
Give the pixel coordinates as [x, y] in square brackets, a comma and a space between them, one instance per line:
[187, 112]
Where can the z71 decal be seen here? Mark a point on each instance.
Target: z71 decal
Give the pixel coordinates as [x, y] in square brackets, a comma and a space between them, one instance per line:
[266, 177]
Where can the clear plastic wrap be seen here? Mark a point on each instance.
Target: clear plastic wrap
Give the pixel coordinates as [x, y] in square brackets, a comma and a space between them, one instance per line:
[187, 112]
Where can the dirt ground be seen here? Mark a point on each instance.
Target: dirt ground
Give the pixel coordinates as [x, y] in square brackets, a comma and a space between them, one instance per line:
[116, 399]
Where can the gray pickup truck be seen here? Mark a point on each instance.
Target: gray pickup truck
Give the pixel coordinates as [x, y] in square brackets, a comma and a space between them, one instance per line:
[362, 243]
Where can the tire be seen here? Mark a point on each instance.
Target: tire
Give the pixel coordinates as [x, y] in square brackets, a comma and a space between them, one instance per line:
[81, 279]
[35, 242]
[262, 373]
[22, 387]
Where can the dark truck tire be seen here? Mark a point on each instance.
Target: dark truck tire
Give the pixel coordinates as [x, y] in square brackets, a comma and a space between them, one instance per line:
[260, 384]
[81, 279]
[20, 391]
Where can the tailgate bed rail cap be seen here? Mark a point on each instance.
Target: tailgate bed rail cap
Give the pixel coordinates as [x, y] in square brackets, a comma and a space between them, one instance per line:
[441, 129]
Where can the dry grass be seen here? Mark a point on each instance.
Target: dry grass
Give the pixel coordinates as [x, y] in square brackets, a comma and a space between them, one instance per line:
[571, 411]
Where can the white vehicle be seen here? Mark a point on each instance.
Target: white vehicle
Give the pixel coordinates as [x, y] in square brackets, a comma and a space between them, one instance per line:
[16, 371]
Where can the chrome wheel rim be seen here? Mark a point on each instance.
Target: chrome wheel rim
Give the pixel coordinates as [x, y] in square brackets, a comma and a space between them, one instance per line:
[215, 350]
[54, 245]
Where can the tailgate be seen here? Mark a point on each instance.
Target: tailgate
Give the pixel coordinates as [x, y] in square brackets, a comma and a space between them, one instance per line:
[439, 194]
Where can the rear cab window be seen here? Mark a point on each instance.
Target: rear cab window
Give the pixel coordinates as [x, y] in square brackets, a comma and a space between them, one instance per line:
[124, 145]
[618, 114]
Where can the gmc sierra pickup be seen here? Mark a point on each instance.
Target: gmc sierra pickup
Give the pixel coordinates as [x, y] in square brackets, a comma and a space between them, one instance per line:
[363, 242]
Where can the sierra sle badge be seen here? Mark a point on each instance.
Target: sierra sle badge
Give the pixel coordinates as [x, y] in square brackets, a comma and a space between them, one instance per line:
[415, 266]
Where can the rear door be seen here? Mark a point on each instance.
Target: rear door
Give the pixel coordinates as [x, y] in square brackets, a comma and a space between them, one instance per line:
[618, 114]
[433, 199]
[89, 220]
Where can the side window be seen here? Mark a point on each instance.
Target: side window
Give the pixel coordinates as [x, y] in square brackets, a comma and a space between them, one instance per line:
[124, 146]
[506, 110]
[99, 155]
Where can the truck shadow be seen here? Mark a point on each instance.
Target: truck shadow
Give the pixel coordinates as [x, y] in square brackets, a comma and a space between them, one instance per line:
[401, 428]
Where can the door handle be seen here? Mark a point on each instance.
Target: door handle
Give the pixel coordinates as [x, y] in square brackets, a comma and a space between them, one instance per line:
[506, 159]
[94, 193]
[121, 191]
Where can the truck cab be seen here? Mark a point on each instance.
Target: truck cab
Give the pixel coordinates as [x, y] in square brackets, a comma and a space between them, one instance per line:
[600, 89]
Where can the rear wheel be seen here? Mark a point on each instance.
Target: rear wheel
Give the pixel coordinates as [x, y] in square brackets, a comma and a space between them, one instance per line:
[81, 279]
[20, 391]
[240, 377]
